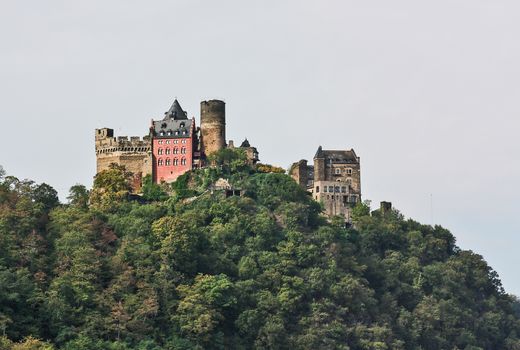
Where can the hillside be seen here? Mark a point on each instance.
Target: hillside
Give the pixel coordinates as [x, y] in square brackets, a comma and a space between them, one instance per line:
[198, 270]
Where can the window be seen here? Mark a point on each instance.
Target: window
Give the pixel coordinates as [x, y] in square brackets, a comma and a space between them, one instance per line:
[175, 150]
[336, 189]
[160, 162]
[183, 150]
[168, 162]
[183, 161]
[182, 125]
[160, 142]
[317, 189]
[175, 161]
[325, 189]
[162, 133]
[175, 141]
[331, 189]
[168, 151]
[184, 132]
[349, 171]
[167, 142]
[176, 132]
[183, 141]
[343, 189]
[338, 171]
[160, 151]
[169, 133]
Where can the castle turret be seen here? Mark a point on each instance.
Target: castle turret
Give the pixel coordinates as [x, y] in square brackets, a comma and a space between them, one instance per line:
[212, 126]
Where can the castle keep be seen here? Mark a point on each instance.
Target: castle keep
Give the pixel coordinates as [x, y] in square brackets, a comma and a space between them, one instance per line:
[173, 145]
[334, 180]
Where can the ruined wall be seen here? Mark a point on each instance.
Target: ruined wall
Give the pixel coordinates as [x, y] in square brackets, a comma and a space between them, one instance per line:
[212, 126]
[299, 172]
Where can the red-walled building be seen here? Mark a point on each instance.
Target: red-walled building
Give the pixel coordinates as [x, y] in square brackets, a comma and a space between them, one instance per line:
[174, 143]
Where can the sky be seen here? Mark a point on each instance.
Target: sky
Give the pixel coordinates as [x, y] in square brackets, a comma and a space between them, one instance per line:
[426, 92]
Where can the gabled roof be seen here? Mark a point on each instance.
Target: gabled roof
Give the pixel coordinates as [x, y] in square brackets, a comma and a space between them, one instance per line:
[337, 156]
[175, 112]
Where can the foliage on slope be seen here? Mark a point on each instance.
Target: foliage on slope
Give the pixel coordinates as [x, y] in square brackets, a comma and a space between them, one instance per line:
[197, 270]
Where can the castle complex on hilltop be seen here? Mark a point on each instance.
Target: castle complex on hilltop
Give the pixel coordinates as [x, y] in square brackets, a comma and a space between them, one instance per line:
[173, 146]
[334, 180]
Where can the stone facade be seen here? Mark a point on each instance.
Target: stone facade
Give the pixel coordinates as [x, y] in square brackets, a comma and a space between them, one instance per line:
[212, 126]
[336, 181]
[134, 154]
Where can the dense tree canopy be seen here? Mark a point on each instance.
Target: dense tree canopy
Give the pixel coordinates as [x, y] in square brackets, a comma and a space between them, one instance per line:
[198, 270]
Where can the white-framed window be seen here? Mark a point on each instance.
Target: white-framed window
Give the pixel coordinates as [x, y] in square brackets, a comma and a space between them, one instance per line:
[183, 141]
[167, 151]
[160, 151]
[183, 150]
[176, 141]
[338, 171]
[167, 142]
[183, 161]
[168, 161]
[175, 161]
[160, 162]
[175, 150]
[160, 142]
[349, 171]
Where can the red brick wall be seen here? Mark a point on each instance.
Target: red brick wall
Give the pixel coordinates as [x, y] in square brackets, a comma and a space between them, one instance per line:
[167, 167]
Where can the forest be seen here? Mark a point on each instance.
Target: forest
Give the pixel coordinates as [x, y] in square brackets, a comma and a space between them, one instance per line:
[183, 266]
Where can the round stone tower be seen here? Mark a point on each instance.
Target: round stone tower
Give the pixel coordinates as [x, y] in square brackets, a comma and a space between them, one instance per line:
[212, 126]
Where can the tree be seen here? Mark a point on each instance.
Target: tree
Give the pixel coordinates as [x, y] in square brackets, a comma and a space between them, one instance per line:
[111, 186]
[78, 196]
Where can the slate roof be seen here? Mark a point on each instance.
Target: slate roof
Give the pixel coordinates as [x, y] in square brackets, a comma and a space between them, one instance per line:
[174, 124]
[245, 144]
[337, 156]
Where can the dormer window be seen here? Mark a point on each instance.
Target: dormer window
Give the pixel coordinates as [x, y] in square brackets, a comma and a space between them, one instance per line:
[162, 133]
[177, 132]
[182, 125]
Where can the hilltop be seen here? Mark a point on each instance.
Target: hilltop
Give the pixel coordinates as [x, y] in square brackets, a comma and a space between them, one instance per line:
[234, 257]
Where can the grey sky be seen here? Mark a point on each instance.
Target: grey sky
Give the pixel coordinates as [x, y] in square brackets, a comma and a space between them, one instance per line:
[426, 92]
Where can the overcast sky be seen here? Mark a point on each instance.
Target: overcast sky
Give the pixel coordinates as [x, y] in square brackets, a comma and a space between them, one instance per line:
[426, 92]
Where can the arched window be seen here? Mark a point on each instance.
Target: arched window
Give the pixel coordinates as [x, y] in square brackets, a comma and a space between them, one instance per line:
[175, 150]
[183, 161]
[175, 161]
[168, 161]
[168, 151]
[183, 150]
[160, 162]
[160, 151]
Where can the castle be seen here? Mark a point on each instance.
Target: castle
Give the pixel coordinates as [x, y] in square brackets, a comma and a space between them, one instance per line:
[173, 146]
[334, 180]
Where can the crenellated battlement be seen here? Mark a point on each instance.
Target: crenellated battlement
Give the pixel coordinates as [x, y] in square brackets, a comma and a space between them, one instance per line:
[107, 143]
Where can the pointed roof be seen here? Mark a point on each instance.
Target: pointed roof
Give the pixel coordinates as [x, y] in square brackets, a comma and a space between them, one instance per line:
[175, 112]
[245, 143]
